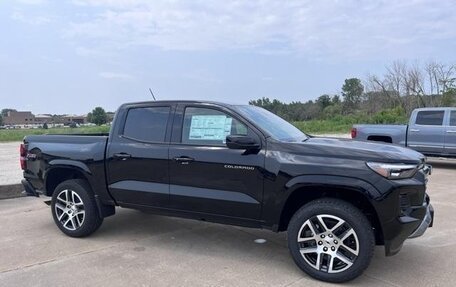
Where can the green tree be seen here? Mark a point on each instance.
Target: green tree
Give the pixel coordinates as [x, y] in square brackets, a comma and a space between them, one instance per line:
[335, 100]
[1, 120]
[89, 117]
[449, 97]
[97, 116]
[352, 92]
[4, 112]
[323, 101]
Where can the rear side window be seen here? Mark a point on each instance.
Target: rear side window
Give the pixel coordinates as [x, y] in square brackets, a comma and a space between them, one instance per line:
[430, 118]
[147, 124]
[453, 118]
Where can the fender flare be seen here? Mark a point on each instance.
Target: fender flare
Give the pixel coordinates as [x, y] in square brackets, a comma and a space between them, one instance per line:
[332, 180]
[103, 209]
[69, 165]
[360, 186]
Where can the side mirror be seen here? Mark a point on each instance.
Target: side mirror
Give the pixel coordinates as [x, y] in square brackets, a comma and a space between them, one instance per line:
[241, 142]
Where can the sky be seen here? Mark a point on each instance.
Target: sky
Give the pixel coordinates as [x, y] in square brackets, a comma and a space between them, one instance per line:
[69, 56]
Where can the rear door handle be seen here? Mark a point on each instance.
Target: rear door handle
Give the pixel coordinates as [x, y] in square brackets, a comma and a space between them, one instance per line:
[122, 155]
[414, 130]
[183, 159]
[451, 132]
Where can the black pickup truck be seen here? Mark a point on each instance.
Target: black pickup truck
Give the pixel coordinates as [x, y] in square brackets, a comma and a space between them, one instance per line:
[240, 165]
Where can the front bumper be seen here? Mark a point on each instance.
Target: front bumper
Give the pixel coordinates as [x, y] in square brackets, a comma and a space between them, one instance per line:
[412, 223]
[428, 220]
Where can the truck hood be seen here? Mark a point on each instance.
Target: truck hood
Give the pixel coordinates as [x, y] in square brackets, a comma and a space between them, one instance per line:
[360, 150]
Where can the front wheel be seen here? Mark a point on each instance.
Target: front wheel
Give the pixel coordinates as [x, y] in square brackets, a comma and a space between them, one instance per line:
[331, 240]
[74, 208]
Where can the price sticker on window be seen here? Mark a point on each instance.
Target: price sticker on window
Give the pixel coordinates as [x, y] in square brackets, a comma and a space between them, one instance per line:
[210, 127]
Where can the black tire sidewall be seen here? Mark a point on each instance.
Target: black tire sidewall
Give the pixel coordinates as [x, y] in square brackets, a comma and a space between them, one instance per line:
[352, 216]
[92, 219]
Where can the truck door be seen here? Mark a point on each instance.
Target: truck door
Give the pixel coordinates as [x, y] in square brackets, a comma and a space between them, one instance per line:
[205, 175]
[137, 156]
[450, 134]
[426, 133]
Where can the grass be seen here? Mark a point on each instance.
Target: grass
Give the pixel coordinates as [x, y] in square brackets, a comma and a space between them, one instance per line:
[19, 134]
[323, 127]
[343, 123]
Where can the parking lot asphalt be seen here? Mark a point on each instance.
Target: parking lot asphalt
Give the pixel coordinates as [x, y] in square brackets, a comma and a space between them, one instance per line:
[10, 171]
[137, 249]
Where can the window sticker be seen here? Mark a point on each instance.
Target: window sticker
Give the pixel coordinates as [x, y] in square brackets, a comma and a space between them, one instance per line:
[210, 127]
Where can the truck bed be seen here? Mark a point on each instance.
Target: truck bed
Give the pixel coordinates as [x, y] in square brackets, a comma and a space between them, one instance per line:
[388, 133]
[84, 152]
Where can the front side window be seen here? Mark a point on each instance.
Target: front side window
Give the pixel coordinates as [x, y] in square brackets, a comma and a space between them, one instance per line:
[453, 118]
[430, 118]
[147, 124]
[203, 126]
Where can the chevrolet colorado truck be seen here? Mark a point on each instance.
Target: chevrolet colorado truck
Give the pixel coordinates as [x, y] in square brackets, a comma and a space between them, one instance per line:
[239, 165]
[431, 131]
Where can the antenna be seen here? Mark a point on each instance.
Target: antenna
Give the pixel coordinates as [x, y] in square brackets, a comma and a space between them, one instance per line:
[152, 93]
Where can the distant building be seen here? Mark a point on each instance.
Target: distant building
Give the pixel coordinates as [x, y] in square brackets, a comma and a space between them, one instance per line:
[110, 116]
[13, 118]
[68, 119]
[19, 118]
[43, 119]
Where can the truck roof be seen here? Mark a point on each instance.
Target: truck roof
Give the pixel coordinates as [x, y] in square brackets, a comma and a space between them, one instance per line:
[435, 108]
[182, 101]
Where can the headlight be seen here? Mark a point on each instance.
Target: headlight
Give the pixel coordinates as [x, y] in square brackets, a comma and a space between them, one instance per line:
[393, 170]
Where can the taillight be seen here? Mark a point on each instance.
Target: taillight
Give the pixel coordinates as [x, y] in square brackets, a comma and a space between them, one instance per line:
[353, 133]
[23, 158]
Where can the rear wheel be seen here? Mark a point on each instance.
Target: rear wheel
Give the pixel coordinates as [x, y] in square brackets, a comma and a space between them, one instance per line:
[74, 208]
[331, 240]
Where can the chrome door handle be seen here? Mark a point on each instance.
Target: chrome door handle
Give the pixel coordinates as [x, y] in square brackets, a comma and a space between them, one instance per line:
[414, 130]
[183, 159]
[451, 132]
[122, 156]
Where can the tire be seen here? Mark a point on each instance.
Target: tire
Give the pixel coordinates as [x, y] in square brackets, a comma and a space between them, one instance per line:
[336, 240]
[74, 208]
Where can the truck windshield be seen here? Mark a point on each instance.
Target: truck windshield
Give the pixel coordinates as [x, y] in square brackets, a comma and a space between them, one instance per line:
[275, 126]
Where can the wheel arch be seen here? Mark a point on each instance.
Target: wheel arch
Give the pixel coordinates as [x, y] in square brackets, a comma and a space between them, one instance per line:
[60, 173]
[359, 196]
[380, 138]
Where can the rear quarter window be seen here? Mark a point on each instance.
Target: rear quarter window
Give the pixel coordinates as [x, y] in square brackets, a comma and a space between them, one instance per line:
[453, 118]
[430, 118]
[146, 124]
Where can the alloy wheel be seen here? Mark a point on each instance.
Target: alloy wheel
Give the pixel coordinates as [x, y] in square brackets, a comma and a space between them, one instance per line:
[69, 209]
[328, 243]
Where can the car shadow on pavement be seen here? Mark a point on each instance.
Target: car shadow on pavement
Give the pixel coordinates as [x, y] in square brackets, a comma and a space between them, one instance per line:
[190, 239]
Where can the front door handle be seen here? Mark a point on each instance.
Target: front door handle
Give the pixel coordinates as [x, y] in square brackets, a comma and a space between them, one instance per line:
[451, 131]
[122, 155]
[183, 159]
[414, 130]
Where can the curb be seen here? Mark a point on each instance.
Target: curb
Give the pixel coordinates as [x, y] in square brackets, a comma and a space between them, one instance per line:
[11, 191]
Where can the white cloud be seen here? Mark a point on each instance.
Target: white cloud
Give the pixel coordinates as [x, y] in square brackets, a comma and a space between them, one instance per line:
[351, 29]
[52, 60]
[115, 76]
[32, 2]
[29, 19]
[202, 76]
